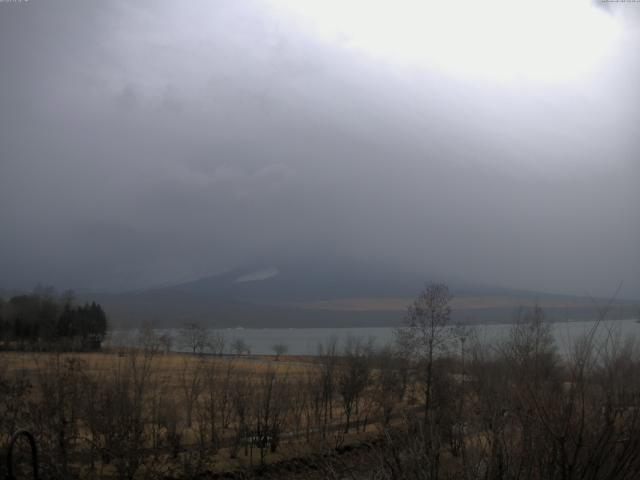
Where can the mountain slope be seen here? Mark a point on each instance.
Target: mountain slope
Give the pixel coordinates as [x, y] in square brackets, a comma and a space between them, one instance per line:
[312, 293]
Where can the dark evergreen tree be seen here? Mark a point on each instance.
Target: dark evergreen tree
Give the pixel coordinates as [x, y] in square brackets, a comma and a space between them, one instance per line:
[40, 319]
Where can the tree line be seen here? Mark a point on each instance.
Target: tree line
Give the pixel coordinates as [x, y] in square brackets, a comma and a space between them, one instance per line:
[438, 403]
[41, 320]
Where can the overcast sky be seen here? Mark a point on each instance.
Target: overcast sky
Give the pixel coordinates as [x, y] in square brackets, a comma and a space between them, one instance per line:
[153, 141]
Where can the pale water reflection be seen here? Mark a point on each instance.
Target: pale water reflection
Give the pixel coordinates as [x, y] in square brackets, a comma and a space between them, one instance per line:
[305, 341]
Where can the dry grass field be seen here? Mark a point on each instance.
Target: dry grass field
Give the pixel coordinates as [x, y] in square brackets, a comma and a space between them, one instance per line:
[136, 413]
[170, 364]
[434, 407]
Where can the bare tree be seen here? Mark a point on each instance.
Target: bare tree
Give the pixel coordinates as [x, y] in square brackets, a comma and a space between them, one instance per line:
[270, 412]
[190, 380]
[194, 337]
[424, 337]
[279, 349]
[326, 383]
[241, 399]
[56, 417]
[166, 342]
[354, 375]
[148, 339]
[390, 381]
[217, 342]
[240, 347]
[117, 410]
[216, 400]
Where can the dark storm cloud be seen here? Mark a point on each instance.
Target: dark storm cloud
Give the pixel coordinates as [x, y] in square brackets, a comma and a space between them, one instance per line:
[146, 142]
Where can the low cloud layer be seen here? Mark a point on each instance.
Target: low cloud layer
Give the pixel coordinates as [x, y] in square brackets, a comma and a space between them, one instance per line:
[144, 143]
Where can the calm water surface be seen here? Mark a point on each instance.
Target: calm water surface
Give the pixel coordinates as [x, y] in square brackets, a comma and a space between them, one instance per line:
[305, 341]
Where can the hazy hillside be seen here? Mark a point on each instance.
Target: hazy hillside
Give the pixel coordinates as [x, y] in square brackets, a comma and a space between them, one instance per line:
[325, 294]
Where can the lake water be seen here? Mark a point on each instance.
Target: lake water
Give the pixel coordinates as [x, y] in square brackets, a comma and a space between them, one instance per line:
[305, 341]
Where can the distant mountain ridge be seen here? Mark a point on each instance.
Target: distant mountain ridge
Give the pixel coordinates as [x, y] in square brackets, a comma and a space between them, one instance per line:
[314, 293]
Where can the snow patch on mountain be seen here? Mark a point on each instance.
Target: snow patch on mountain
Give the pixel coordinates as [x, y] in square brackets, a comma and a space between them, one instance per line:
[258, 275]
